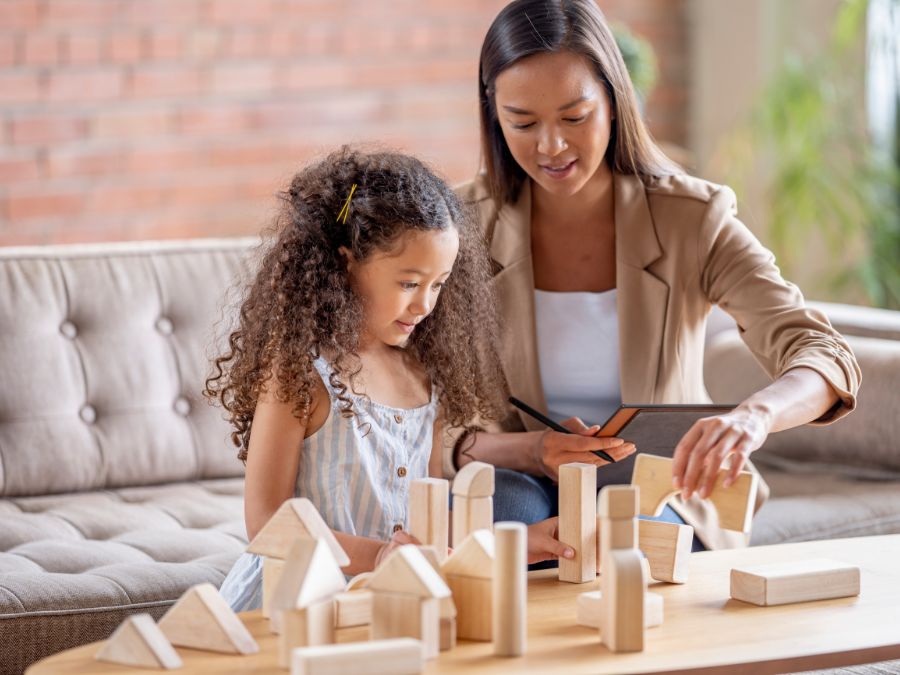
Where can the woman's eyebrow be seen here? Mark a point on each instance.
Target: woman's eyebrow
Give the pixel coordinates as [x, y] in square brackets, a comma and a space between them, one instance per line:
[571, 104]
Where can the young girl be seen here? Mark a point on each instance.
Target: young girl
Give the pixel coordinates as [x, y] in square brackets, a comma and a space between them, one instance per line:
[369, 325]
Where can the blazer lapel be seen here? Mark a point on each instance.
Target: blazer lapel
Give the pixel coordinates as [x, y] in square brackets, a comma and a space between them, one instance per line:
[510, 249]
[642, 296]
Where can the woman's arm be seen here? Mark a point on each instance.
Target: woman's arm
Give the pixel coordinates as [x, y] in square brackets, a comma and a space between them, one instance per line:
[799, 396]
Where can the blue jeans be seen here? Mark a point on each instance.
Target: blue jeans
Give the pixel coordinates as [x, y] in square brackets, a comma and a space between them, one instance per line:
[528, 499]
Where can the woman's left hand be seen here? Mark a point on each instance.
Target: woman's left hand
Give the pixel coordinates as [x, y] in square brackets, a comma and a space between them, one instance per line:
[701, 453]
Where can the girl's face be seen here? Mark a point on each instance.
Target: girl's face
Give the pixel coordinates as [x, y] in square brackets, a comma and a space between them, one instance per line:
[400, 287]
[556, 118]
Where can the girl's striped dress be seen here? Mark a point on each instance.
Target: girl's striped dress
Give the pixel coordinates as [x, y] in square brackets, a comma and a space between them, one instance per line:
[356, 471]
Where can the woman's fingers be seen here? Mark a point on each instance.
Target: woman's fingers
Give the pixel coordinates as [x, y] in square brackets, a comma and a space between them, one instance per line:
[714, 459]
[683, 452]
[576, 426]
[543, 544]
[712, 430]
[402, 537]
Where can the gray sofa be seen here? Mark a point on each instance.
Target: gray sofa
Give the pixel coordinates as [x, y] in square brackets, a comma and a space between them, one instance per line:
[119, 487]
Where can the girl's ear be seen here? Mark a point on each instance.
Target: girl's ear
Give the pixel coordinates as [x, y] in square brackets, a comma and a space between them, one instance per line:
[349, 260]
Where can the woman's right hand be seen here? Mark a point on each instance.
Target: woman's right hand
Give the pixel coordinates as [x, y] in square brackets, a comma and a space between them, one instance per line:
[554, 448]
[398, 539]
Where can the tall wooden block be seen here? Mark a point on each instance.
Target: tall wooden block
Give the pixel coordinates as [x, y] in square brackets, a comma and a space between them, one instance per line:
[313, 625]
[623, 587]
[470, 514]
[397, 615]
[474, 607]
[578, 521]
[429, 513]
[510, 588]
[668, 549]
[201, 619]
[400, 656]
[138, 641]
[794, 581]
[734, 505]
[272, 568]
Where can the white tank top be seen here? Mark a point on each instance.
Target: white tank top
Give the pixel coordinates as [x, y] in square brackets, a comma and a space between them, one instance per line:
[578, 353]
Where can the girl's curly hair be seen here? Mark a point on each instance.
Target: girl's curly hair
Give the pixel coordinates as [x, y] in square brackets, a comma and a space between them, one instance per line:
[301, 304]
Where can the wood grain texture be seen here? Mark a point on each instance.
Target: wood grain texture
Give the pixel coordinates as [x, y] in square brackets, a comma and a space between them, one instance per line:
[510, 589]
[796, 581]
[623, 586]
[475, 479]
[470, 514]
[138, 641]
[589, 609]
[201, 619]
[312, 625]
[400, 656]
[788, 638]
[668, 549]
[272, 569]
[474, 603]
[429, 513]
[295, 518]
[578, 521]
[397, 615]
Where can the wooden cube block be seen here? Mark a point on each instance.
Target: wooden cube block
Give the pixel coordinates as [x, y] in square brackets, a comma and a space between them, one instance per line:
[795, 581]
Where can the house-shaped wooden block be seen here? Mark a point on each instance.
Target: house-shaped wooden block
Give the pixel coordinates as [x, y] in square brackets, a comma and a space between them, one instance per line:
[469, 572]
[295, 518]
[406, 595]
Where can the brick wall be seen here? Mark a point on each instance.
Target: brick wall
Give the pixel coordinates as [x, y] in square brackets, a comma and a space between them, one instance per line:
[150, 119]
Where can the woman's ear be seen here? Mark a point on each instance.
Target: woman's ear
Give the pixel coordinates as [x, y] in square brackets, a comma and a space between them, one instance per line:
[349, 260]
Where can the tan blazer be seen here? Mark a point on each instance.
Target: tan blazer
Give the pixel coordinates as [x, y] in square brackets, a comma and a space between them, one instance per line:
[679, 249]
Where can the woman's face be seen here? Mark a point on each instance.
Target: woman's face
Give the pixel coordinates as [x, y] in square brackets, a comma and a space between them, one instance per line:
[556, 118]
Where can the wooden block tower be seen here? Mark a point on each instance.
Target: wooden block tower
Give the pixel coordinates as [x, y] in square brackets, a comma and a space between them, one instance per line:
[473, 500]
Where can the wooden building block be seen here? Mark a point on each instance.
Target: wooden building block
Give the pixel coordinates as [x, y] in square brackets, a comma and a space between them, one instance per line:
[734, 505]
[475, 479]
[401, 615]
[272, 568]
[400, 656]
[623, 586]
[353, 634]
[312, 625]
[353, 608]
[589, 609]
[310, 574]
[473, 607]
[578, 521]
[448, 604]
[358, 582]
[138, 641]
[295, 518]
[470, 514]
[618, 502]
[668, 549]
[619, 534]
[509, 588]
[448, 633]
[201, 619]
[795, 581]
[429, 513]
[406, 570]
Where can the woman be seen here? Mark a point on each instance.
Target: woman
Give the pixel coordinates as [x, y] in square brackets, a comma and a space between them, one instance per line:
[607, 261]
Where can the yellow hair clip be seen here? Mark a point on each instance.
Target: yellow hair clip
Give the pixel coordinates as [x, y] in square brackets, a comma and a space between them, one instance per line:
[345, 210]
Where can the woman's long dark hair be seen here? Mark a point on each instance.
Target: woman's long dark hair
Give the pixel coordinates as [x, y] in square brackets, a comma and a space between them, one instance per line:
[527, 27]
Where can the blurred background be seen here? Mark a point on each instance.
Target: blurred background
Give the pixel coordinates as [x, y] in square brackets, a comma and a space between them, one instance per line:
[156, 119]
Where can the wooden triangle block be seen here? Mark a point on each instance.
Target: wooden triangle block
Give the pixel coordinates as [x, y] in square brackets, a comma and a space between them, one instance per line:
[138, 641]
[310, 575]
[407, 571]
[201, 619]
[473, 558]
[295, 518]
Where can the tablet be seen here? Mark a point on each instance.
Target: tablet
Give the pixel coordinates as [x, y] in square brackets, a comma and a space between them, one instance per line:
[655, 429]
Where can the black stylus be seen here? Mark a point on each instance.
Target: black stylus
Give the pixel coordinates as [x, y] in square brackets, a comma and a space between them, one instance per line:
[543, 419]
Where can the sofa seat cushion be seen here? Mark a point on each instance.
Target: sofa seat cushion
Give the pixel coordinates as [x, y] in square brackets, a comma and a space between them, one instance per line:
[806, 505]
[117, 548]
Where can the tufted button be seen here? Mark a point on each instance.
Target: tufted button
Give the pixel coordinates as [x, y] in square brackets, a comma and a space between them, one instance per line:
[164, 325]
[182, 406]
[67, 328]
[401, 471]
[398, 418]
[88, 414]
[398, 527]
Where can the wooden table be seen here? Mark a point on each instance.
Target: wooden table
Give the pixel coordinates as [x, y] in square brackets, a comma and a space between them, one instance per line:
[704, 630]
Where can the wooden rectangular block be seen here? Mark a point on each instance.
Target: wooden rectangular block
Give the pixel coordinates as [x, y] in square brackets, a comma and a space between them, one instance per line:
[473, 598]
[618, 502]
[353, 634]
[470, 514]
[401, 615]
[589, 609]
[305, 627]
[795, 581]
[429, 513]
[578, 521]
[623, 587]
[353, 608]
[401, 656]
[272, 569]
[668, 549]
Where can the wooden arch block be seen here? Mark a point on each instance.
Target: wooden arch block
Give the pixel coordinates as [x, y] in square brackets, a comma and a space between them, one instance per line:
[201, 619]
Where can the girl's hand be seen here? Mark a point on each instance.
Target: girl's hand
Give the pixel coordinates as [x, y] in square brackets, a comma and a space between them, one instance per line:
[700, 454]
[398, 539]
[554, 448]
[543, 543]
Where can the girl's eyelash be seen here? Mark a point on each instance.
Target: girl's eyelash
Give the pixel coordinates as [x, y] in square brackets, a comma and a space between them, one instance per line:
[574, 120]
[523, 126]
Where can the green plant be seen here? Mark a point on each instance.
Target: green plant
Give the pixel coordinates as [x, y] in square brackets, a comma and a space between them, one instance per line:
[822, 173]
[640, 59]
